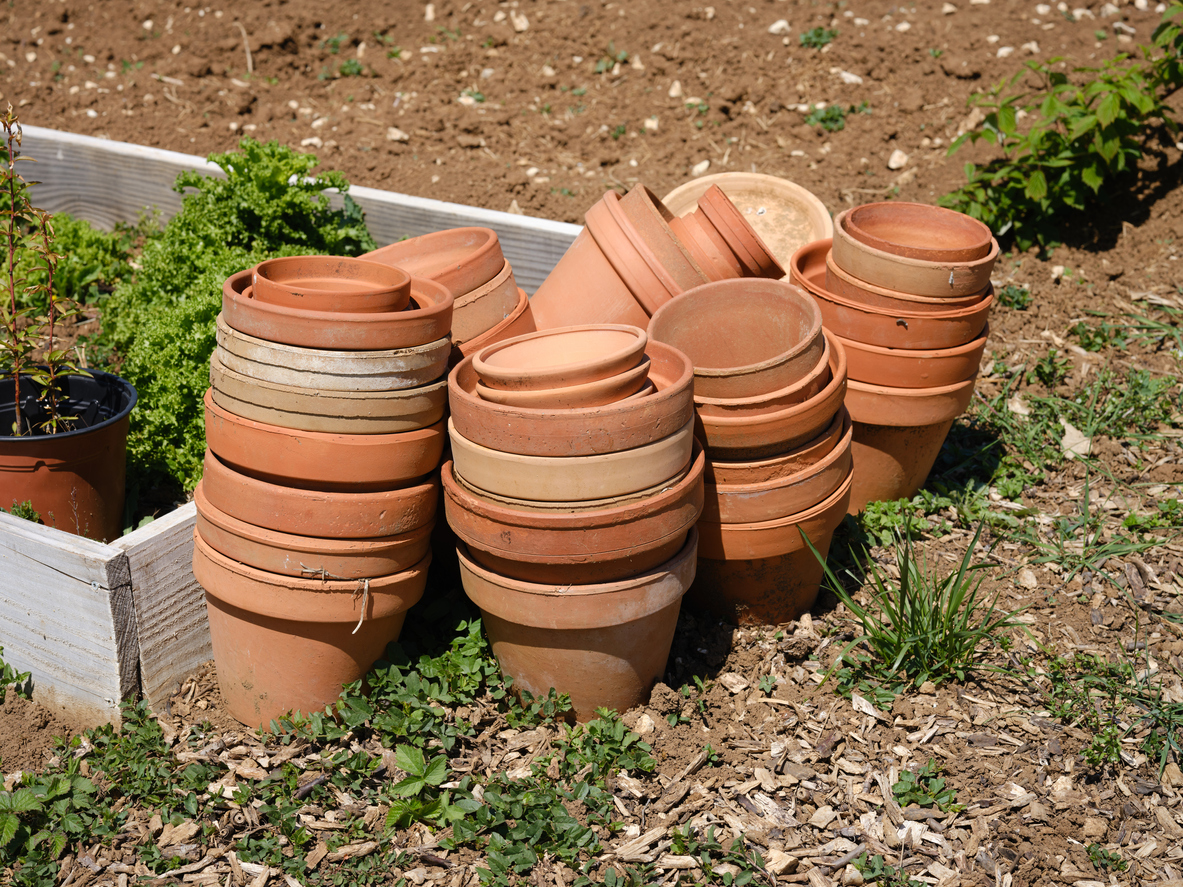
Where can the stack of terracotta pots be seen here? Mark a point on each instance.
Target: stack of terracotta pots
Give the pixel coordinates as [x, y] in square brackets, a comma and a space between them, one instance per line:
[490, 306]
[906, 288]
[325, 423]
[635, 255]
[768, 390]
[574, 491]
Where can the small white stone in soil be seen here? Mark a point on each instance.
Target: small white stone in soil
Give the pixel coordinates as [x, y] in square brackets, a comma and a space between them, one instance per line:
[1082, 13]
[429, 12]
[644, 725]
[849, 78]
[147, 25]
[676, 89]
[700, 168]
[312, 142]
[979, 2]
[30, 57]
[89, 59]
[1027, 579]
[233, 126]
[466, 100]
[993, 38]
[861, 22]
[779, 27]
[1004, 51]
[1042, 9]
[851, 877]
[177, 49]
[514, 208]
[733, 682]
[904, 26]
[92, 113]
[1109, 11]
[548, 71]
[651, 124]
[487, 73]
[897, 160]
[319, 122]
[520, 22]
[532, 171]
[948, 9]
[1141, 5]
[1123, 28]
[499, 16]
[394, 134]
[1031, 47]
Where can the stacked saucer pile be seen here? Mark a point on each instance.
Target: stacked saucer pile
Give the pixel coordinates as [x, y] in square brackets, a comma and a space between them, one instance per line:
[324, 425]
[906, 288]
[574, 489]
[468, 261]
[768, 392]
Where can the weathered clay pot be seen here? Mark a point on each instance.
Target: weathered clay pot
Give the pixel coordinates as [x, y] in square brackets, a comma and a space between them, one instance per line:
[318, 460]
[900, 368]
[334, 412]
[478, 311]
[772, 499]
[798, 392]
[332, 370]
[759, 471]
[783, 214]
[561, 357]
[919, 231]
[461, 259]
[589, 394]
[428, 318]
[318, 513]
[576, 547]
[607, 429]
[305, 556]
[571, 478]
[774, 340]
[852, 289]
[876, 326]
[756, 436]
[283, 644]
[517, 323]
[331, 283]
[764, 573]
[722, 241]
[907, 275]
[881, 405]
[604, 644]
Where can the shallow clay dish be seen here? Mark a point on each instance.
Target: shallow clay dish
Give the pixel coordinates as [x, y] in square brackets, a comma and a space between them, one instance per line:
[517, 323]
[590, 394]
[561, 357]
[331, 283]
[801, 390]
[854, 290]
[919, 231]
[755, 471]
[899, 368]
[462, 259]
[478, 311]
[907, 407]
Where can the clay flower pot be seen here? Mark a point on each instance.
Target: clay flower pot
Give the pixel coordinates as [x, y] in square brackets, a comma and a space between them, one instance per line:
[561, 357]
[331, 283]
[517, 323]
[461, 259]
[428, 318]
[798, 392]
[916, 330]
[919, 231]
[590, 394]
[605, 644]
[74, 479]
[283, 644]
[722, 241]
[771, 341]
[478, 311]
[387, 370]
[319, 460]
[764, 573]
[852, 289]
[900, 368]
[619, 426]
[318, 513]
[757, 471]
[308, 557]
[783, 214]
[907, 275]
[576, 546]
[571, 478]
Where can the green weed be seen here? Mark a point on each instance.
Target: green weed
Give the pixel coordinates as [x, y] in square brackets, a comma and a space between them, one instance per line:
[333, 44]
[1097, 338]
[473, 94]
[875, 869]
[816, 38]
[19, 681]
[618, 131]
[1050, 370]
[351, 68]
[925, 788]
[610, 58]
[1105, 860]
[1014, 296]
[25, 511]
[830, 118]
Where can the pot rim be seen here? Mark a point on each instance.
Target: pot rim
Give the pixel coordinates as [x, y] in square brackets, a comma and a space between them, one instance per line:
[549, 398]
[969, 347]
[718, 209]
[809, 378]
[981, 248]
[835, 455]
[896, 295]
[428, 348]
[808, 514]
[476, 343]
[833, 430]
[103, 378]
[401, 277]
[556, 373]
[912, 393]
[446, 275]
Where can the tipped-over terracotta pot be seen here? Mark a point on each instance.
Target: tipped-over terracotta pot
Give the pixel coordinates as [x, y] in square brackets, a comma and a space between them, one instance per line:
[428, 318]
[901, 368]
[561, 357]
[852, 289]
[319, 513]
[605, 644]
[283, 644]
[517, 323]
[910, 275]
[579, 432]
[745, 337]
[757, 471]
[576, 547]
[478, 311]
[722, 242]
[461, 259]
[589, 394]
[331, 283]
[764, 573]
[919, 231]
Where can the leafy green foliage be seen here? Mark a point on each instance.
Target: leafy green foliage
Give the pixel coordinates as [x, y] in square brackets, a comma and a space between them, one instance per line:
[91, 264]
[1014, 296]
[610, 58]
[830, 118]
[10, 677]
[1097, 338]
[351, 68]
[1105, 860]
[710, 855]
[24, 510]
[1051, 369]
[875, 869]
[816, 38]
[925, 788]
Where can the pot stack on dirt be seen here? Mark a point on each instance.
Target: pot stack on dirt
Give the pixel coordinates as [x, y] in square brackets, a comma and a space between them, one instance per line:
[325, 424]
[489, 304]
[768, 390]
[906, 288]
[634, 255]
[574, 488]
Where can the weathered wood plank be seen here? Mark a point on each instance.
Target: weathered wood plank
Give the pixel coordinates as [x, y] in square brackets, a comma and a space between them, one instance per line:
[170, 605]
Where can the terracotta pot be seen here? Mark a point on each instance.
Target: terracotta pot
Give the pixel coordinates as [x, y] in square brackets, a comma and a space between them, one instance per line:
[478, 311]
[760, 436]
[306, 557]
[764, 573]
[852, 289]
[772, 499]
[461, 259]
[519, 322]
[910, 275]
[332, 370]
[429, 318]
[283, 644]
[74, 479]
[561, 357]
[590, 394]
[723, 229]
[919, 231]
[798, 392]
[318, 460]
[335, 412]
[605, 644]
[571, 478]
[892, 462]
[783, 214]
[331, 283]
[318, 513]
[583, 432]
[576, 546]
[900, 368]
[880, 405]
[772, 342]
[875, 326]
[782, 465]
